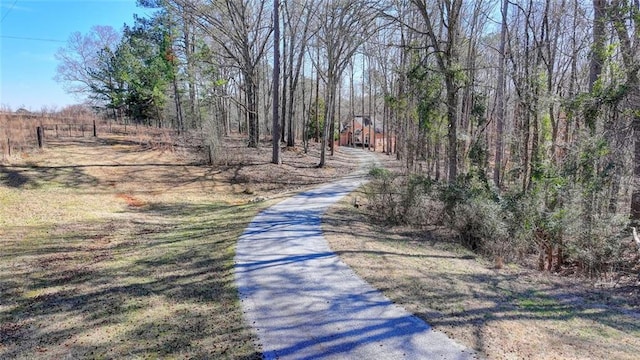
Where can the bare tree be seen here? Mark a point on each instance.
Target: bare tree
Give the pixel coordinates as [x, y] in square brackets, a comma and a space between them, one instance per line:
[275, 131]
[298, 25]
[599, 39]
[241, 30]
[500, 101]
[342, 28]
[81, 55]
[446, 53]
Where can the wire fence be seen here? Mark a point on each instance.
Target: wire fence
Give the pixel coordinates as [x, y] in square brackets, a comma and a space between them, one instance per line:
[20, 134]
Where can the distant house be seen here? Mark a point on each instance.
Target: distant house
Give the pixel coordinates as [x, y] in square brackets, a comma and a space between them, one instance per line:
[363, 130]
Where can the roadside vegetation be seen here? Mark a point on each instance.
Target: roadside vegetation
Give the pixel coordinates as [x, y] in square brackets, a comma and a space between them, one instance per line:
[555, 227]
[506, 310]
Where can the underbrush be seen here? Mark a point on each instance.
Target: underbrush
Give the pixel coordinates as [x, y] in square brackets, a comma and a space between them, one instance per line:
[554, 226]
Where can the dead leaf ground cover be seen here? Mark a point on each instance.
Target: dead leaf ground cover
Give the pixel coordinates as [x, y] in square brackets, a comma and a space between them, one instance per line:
[512, 313]
[111, 248]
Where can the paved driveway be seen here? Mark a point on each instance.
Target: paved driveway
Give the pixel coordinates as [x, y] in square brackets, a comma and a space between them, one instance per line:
[304, 303]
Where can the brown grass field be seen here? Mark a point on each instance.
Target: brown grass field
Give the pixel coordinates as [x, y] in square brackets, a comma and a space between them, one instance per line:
[112, 248]
[18, 132]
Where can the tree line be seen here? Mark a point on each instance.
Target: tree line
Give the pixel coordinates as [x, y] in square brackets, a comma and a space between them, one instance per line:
[524, 108]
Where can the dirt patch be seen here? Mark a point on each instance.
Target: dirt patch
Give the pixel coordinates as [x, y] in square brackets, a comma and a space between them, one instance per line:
[512, 313]
[130, 200]
[250, 173]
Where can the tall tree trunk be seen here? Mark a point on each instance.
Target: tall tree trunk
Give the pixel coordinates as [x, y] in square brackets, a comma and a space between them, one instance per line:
[372, 115]
[573, 79]
[551, 46]
[332, 124]
[305, 112]
[452, 135]
[242, 114]
[178, 104]
[599, 39]
[251, 93]
[318, 97]
[500, 103]
[189, 44]
[285, 77]
[223, 104]
[275, 158]
[289, 110]
[352, 111]
[328, 119]
[635, 196]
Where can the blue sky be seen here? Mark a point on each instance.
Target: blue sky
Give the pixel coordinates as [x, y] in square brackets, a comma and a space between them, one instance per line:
[27, 67]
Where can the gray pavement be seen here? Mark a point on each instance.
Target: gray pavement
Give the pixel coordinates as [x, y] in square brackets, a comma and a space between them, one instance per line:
[305, 303]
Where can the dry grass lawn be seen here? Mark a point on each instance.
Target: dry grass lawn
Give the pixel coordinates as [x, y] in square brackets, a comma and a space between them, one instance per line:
[111, 248]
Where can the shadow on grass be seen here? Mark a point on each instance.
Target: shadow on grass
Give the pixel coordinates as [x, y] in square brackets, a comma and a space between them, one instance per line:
[159, 286]
[154, 282]
[121, 168]
[552, 303]
[13, 177]
[77, 177]
[33, 176]
[112, 157]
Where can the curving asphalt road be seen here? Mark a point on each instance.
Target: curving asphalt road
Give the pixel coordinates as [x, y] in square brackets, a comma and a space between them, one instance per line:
[304, 303]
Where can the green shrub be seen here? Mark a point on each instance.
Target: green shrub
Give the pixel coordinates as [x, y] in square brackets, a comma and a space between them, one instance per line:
[380, 173]
[599, 246]
[481, 225]
[404, 199]
[416, 203]
[382, 195]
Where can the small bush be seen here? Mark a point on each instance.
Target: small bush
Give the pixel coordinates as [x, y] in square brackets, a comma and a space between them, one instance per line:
[600, 248]
[475, 211]
[402, 199]
[380, 173]
[381, 194]
[480, 223]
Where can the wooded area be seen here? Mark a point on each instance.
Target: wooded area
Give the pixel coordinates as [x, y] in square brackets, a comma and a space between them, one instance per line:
[520, 118]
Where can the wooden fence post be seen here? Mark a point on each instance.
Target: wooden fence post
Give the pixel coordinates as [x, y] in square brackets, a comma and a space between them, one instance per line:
[9, 146]
[210, 155]
[56, 130]
[94, 128]
[82, 129]
[39, 134]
